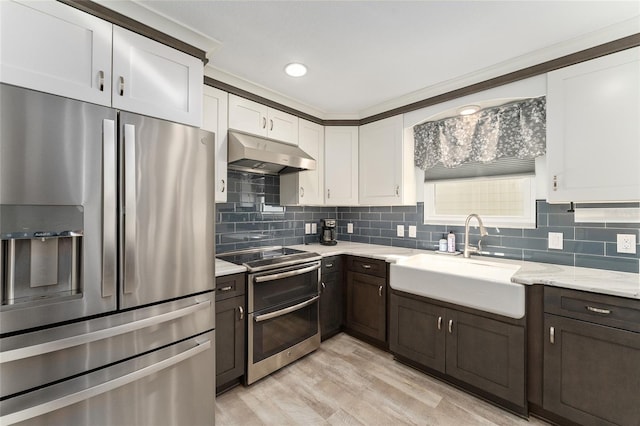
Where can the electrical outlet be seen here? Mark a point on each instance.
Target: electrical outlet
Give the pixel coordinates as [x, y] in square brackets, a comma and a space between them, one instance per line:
[412, 231]
[349, 228]
[314, 228]
[400, 231]
[556, 240]
[307, 228]
[626, 243]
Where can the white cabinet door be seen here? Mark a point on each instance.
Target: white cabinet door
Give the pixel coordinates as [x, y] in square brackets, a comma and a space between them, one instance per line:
[51, 47]
[153, 79]
[282, 126]
[593, 130]
[386, 171]
[341, 166]
[257, 119]
[306, 188]
[214, 119]
[247, 116]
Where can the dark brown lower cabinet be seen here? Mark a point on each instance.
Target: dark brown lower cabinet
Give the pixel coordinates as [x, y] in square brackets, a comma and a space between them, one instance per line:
[230, 331]
[483, 352]
[331, 297]
[591, 372]
[366, 306]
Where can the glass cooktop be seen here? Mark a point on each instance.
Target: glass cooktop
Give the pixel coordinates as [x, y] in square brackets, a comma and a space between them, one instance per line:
[268, 257]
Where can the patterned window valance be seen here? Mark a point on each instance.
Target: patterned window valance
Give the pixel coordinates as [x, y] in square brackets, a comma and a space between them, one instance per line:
[513, 130]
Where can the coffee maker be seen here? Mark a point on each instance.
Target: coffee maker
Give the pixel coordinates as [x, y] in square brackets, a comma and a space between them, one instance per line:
[328, 233]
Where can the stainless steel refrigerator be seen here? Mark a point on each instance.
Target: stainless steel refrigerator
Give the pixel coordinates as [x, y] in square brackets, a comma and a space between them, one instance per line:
[107, 266]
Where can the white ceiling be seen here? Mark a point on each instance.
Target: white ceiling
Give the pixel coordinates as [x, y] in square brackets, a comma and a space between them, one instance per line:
[366, 57]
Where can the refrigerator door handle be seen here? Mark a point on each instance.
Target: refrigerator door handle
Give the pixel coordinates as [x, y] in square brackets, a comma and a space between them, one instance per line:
[109, 264]
[81, 339]
[85, 394]
[129, 273]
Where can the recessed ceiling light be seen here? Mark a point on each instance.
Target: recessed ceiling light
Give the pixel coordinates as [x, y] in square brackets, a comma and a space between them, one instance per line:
[468, 109]
[295, 69]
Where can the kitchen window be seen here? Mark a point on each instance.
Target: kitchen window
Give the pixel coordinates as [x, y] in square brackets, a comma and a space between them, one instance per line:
[505, 201]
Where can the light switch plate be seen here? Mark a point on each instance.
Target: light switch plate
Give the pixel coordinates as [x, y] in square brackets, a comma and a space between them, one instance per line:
[314, 228]
[626, 243]
[400, 231]
[307, 228]
[556, 240]
[412, 231]
[349, 228]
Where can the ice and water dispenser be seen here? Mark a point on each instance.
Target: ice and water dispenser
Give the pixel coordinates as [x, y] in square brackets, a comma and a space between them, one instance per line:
[40, 253]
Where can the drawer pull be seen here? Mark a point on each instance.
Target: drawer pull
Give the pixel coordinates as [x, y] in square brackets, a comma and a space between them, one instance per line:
[226, 288]
[329, 265]
[598, 310]
[366, 266]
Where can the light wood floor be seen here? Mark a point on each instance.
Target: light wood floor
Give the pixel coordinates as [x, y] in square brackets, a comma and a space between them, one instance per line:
[348, 382]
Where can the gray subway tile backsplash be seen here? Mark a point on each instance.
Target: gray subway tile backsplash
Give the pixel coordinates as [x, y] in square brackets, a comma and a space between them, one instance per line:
[242, 223]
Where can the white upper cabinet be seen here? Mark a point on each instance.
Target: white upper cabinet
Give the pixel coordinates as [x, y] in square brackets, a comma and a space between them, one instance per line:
[593, 130]
[341, 166]
[214, 119]
[153, 79]
[386, 170]
[54, 48]
[258, 119]
[306, 188]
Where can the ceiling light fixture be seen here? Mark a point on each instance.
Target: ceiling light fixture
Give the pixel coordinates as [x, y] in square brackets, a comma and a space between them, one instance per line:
[295, 69]
[468, 109]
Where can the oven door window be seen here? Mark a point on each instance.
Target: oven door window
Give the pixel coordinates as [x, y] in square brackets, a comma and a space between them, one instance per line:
[276, 289]
[280, 332]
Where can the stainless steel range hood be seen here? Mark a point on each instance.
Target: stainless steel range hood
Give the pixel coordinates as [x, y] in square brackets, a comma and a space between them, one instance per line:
[266, 156]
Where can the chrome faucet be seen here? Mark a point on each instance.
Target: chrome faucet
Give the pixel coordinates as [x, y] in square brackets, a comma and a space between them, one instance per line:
[467, 248]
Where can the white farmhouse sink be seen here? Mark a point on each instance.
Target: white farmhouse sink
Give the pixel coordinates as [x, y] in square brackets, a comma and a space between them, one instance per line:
[478, 284]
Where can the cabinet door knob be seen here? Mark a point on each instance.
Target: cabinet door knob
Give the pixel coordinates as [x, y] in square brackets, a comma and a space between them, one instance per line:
[301, 192]
[552, 335]
[264, 122]
[121, 86]
[101, 80]
[324, 287]
[397, 190]
[380, 291]
[439, 323]
[450, 326]
[555, 182]
[241, 311]
[270, 124]
[328, 193]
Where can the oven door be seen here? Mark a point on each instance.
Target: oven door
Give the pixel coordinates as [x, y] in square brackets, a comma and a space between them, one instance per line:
[270, 290]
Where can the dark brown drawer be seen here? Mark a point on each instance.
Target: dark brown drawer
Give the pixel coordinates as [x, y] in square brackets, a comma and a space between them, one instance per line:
[331, 264]
[366, 266]
[230, 286]
[602, 309]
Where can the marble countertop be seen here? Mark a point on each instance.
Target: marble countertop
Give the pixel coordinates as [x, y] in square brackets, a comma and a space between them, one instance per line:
[622, 284]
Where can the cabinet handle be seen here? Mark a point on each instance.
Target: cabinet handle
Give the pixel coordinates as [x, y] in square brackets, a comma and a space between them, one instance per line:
[227, 288]
[439, 323]
[301, 192]
[329, 265]
[450, 326]
[397, 190]
[101, 80]
[365, 266]
[224, 186]
[328, 193]
[598, 310]
[241, 311]
[555, 182]
[324, 287]
[270, 124]
[121, 86]
[552, 335]
[264, 122]
[380, 291]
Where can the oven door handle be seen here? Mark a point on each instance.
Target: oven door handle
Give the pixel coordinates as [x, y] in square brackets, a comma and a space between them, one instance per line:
[287, 274]
[286, 311]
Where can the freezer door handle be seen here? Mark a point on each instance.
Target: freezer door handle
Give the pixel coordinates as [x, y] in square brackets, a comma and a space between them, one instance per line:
[81, 339]
[109, 228]
[129, 273]
[47, 407]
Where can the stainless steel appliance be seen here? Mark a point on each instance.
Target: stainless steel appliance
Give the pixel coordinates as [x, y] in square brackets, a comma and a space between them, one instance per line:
[328, 234]
[106, 266]
[283, 301]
